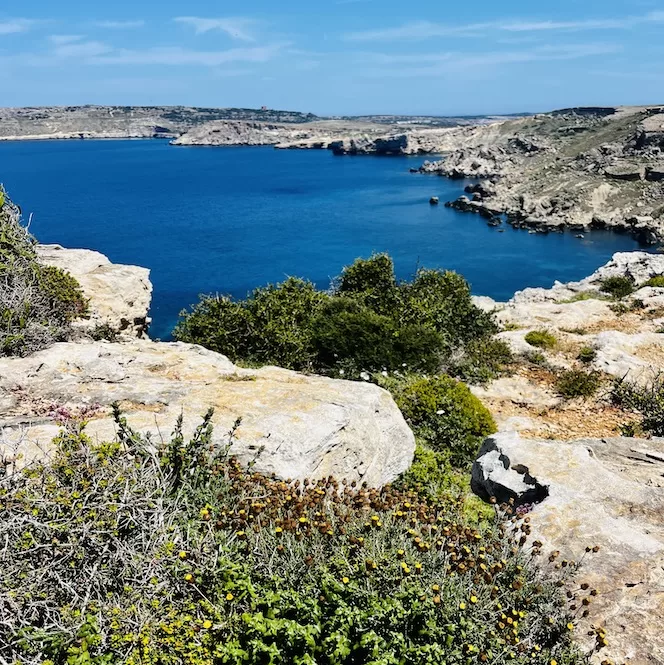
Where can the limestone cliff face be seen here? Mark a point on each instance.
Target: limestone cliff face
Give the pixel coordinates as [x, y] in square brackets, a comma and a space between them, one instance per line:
[293, 425]
[119, 295]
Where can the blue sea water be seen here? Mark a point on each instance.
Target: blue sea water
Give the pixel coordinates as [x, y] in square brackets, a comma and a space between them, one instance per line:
[225, 220]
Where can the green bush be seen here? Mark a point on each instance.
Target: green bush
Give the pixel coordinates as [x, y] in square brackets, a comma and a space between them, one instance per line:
[657, 282]
[445, 415]
[618, 287]
[63, 293]
[587, 354]
[346, 329]
[578, 383]
[647, 400]
[273, 326]
[372, 281]
[482, 361]
[368, 322]
[140, 554]
[37, 302]
[542, 339]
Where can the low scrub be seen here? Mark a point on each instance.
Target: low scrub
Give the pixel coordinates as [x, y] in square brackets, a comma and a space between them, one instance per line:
[647, 400]
[444, 414]
[618, 286]
[578, 383]
[656, 282]
[37, 302]
[132, 553]
[367, 322]
[587, 354]
[542, 339]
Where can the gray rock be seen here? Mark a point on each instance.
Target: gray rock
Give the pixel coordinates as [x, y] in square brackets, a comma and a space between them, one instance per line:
[594, 492]
[119, 295]
[299, 426]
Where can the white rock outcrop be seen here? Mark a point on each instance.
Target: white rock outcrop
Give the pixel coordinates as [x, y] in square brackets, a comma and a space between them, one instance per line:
[295, 426]
[594, 492]
[119, 294]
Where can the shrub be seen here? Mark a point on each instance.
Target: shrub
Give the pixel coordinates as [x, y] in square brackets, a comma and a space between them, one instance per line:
[617, 286]
[445, 415]
[346, 329]
[37, 302]
[542, 339]
[104, 331]
[368, 322]
[647, 400]
[128, 553]
[372, 280]
[273, 326]
[442, 301]
[587, 354]
[63, 293]
[657, 282]
[482, 361]
[578, 383]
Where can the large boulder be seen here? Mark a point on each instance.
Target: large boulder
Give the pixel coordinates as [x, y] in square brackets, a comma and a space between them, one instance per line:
[586, 493]
[295, 426]
[119, 295]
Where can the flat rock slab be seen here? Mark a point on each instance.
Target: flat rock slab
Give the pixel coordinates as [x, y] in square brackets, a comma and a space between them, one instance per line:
[606, 492]
[297, 426]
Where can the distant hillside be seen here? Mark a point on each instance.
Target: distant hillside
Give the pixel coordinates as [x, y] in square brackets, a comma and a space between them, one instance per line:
[125, 121]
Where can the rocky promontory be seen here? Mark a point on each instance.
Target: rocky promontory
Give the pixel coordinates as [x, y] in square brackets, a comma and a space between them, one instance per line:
[580, 169]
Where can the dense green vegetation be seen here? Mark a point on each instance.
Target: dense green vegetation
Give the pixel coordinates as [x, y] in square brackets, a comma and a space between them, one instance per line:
[37, 302]
[174, 554]
[618, 286]
[368, 322]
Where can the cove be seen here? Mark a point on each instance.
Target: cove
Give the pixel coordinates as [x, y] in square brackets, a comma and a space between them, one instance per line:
[226, 220]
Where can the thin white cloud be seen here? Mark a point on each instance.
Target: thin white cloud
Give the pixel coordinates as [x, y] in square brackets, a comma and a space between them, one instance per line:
[177, 56]
[59, 40]
[421, 30]
[119, 25]
[436, 64]
[237, 27]
[16, 25]
[83, 50]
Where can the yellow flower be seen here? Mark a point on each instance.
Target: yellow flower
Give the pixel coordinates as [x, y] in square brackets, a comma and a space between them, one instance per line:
[462, 606]
[303, 520]
[278, 530]
[473, 599]
[570, 626]
[229, 596]
[207, 624]
[436, 587]
[188, 577]
[345, 580]
[554, 662]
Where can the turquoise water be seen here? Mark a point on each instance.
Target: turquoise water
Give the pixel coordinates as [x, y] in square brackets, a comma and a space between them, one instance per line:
[227, 220]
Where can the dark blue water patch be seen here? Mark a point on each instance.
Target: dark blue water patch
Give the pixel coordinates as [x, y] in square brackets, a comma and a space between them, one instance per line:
[228, 220]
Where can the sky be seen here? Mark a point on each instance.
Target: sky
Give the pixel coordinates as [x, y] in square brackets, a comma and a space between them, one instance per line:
[334, 57]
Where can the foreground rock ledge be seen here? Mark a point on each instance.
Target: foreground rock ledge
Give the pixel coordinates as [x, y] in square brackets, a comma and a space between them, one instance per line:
[605, 492]
[306, 426]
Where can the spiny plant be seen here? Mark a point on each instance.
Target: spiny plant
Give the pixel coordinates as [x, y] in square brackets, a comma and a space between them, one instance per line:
[37, 302]
[145, 553]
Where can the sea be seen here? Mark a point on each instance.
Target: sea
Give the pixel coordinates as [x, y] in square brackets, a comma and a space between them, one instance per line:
[227, 220]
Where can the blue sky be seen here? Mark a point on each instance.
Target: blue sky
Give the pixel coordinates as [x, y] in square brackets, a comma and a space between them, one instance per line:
[334, 56]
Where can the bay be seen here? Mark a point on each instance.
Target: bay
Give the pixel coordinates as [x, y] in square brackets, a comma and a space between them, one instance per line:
[226, 220]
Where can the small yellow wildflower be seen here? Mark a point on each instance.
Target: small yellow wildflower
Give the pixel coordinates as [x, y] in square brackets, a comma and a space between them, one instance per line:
[473, 599]
[229, 596]
[462, 606]
[207, 624]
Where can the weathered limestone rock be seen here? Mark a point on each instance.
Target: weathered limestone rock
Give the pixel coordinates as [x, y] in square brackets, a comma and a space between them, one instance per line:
[298, 426]
[119, 295]
[606, 492]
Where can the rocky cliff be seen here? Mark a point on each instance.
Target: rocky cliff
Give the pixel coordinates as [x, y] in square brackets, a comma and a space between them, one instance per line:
[579, 168]
[340, 136]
